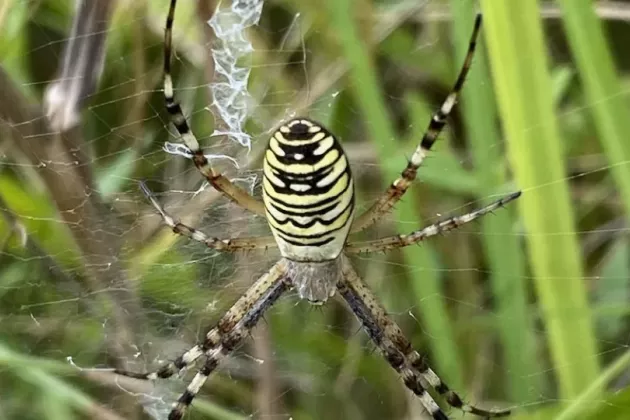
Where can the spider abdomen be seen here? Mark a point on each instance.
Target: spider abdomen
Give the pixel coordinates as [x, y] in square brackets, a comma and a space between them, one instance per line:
[308, 192]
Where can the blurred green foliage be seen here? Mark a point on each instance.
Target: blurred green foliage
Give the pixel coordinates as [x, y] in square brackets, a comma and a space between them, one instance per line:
[526, 309]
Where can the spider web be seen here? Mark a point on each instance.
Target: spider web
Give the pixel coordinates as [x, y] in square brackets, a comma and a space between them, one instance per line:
[70, 304]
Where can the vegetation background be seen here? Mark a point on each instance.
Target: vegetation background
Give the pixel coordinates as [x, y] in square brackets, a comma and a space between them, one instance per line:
[526, 309]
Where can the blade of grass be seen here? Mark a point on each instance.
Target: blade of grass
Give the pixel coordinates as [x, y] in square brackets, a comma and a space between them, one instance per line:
[581, 406]
[32, 370]
[605, 95]
[612, 289]
[215, 411]
[502, 248]
[418, 260]
[41, 373]
[513, 33]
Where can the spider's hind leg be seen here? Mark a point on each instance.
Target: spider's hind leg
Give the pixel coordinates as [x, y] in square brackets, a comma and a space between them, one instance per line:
[218, 181]
[224, 245]
[400, 241]
[398, 188]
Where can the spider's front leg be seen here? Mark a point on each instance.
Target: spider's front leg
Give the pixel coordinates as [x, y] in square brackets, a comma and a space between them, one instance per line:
[228, 334]
[398, 188]
[397, 350]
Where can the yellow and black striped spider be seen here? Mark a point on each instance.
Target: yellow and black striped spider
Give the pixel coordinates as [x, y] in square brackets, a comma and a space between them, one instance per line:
[308, 202]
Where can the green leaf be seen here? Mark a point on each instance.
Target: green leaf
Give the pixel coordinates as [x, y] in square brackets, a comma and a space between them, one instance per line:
[518, 57]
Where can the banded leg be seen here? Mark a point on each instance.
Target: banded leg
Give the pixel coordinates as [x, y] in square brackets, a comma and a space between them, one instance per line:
[218, 181]
[398, 188]
[224, 337]
[231, 336]
[399, 241]
[225, 245]
[397, 350]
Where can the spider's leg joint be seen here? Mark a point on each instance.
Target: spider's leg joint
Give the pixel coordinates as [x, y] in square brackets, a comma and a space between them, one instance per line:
[199, 159]
[410, 172]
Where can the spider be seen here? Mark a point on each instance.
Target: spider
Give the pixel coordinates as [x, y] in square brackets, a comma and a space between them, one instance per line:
[308, 202]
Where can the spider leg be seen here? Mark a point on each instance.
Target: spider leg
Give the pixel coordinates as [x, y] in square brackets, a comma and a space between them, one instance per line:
[398, 188]
[397, 350]
[399, 241]
[220, 341]
[225, 245]
[218, 181]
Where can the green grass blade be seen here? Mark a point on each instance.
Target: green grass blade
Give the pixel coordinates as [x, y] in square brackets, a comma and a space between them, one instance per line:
[34, 371]
[418, 261]
[513, 33]
[602, 88]
[502, 248]
[581, 406]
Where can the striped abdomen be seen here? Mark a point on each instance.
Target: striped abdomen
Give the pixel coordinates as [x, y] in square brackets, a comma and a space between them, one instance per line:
[308, 191]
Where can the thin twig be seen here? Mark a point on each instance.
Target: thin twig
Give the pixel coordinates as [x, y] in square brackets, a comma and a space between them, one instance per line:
[64, 165]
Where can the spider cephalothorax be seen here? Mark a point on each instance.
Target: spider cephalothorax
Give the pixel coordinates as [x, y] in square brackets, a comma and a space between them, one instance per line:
[308, 201]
